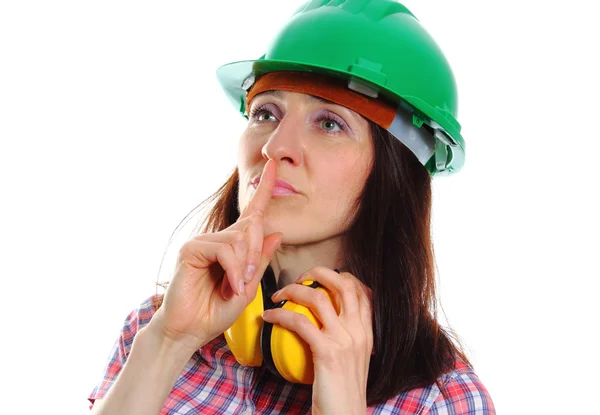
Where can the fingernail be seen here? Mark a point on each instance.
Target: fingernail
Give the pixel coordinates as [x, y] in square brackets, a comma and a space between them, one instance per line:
[249, 274]
[266, 313]
[300, 277]
[241, 288]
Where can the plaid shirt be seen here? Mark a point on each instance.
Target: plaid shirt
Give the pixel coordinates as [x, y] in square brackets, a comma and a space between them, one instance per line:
[213, 382]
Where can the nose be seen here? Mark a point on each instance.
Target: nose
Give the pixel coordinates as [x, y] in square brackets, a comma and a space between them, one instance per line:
[284, 144]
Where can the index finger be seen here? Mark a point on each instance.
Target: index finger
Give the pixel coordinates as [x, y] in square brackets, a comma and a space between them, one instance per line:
[344, 287]
[260, 199]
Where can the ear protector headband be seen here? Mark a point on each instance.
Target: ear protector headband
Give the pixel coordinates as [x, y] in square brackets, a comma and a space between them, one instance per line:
[254, 341]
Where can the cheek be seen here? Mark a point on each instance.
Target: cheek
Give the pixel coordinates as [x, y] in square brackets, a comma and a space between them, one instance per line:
[243, 178]
[249, 154]
[244, 153]
[343, 182]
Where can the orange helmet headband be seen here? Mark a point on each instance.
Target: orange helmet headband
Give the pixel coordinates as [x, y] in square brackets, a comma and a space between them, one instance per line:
[382, 112]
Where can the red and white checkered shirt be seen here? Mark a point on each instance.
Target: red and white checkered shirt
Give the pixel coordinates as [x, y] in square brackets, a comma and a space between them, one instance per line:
[213, 382]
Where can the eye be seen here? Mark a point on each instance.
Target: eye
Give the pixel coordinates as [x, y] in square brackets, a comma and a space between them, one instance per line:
[330, 125]
[265, 115]
[262, 114]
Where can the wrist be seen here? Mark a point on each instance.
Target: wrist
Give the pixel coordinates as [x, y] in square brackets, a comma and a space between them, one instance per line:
[176, 341]
[165, 345]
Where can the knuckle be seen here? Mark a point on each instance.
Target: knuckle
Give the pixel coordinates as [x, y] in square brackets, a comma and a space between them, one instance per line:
[201, 237]
[300, 320]
[318, 269]
[238, 237]
[369, 338]
[369, 312]
[256, 218]
[223, 250]
[331, 354]
[320, 298]
[186, 249]
[254, 252]
[347, 343]
[348, 287]
[362, 342]
[350, 278]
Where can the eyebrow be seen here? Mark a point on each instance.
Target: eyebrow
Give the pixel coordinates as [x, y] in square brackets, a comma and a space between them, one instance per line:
[311, 98]
[321, 100]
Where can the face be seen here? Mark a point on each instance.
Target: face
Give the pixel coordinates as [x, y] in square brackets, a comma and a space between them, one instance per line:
[324, 155]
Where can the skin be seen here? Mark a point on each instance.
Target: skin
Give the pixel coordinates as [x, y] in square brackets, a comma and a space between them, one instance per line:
[327, 160]
[298, 235]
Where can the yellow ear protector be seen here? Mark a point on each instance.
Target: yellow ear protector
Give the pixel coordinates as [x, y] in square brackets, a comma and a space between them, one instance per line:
[254, 341]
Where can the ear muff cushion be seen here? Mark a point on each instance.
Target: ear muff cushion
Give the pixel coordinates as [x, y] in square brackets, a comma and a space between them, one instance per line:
[285, 351]
[291, 355]
[243, 337]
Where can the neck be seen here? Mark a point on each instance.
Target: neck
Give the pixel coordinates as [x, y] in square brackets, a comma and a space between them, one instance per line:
[290, 261]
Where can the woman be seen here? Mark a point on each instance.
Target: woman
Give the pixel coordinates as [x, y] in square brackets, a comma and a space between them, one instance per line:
[350, 113]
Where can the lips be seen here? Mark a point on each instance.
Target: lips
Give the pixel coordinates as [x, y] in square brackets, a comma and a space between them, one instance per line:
[281, 187]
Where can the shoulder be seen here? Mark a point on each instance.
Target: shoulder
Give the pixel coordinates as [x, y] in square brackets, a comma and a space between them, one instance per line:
[462, 392]
[459, 392]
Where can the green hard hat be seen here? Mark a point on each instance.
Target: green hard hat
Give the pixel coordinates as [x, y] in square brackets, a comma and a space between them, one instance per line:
[382, 50]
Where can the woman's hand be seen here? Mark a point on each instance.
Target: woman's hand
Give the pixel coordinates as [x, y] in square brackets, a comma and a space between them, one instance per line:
[217, 274]
[342, 347]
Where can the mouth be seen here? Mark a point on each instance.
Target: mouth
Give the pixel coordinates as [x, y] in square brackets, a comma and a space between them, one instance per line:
[281, 188]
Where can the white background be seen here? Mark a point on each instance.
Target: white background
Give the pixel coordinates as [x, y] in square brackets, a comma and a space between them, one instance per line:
[113, 127]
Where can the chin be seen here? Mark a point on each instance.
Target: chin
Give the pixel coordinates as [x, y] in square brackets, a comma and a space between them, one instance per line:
[299, 231]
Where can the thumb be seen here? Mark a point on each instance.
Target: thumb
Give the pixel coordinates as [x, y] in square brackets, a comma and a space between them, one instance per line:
[270, 245]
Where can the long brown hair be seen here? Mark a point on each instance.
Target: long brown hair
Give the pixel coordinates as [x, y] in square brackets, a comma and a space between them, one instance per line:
[389, 248]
